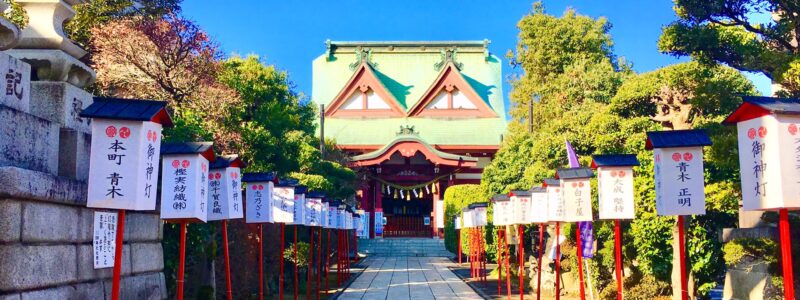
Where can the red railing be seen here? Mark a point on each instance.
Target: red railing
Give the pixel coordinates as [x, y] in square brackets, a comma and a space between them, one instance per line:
[406, 226]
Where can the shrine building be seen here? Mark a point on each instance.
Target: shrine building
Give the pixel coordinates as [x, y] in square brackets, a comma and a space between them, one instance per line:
[415, 118]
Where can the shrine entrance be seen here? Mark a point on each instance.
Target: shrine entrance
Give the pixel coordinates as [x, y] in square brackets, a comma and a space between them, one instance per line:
[408, 218]
[403, 186]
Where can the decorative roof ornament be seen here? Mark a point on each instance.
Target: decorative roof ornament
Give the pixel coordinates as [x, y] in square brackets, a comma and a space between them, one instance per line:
[448, 55]
[407, 130]
[363, 56]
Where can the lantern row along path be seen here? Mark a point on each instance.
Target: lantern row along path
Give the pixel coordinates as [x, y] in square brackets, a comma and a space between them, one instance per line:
[408, 278]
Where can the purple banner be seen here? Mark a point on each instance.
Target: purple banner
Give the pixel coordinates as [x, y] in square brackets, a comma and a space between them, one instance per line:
[587, 239]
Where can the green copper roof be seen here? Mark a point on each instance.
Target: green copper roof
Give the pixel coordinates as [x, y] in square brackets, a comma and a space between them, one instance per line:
[407, 69]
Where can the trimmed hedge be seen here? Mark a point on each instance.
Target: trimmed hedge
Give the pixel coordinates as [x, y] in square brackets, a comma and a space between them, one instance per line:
[456, 198]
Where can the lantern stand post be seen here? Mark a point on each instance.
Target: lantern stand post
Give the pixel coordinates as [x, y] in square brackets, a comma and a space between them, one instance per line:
[294, 253]
[786, 254]
[310, 273]
[280, 262]
[558, 261]
[482, 254]
[227, 258]
[327, 261]
[320, 231]
[261, 262]
[499, 260]
[181, 260]
[118, 254]
[579, 254]
[521, 253]
[338, 257]
[539, 264]
[507, 264]
[682, 257]
[618, 257]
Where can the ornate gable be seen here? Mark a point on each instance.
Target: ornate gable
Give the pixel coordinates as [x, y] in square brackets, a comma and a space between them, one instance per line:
[364, 96]
[451, 95]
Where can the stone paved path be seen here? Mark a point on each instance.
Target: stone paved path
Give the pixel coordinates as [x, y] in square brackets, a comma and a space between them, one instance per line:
[396, 278]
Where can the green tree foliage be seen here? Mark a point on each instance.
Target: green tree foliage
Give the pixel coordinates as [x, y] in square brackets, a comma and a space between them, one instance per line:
[94, 13]
[590, 97]
[725, 31]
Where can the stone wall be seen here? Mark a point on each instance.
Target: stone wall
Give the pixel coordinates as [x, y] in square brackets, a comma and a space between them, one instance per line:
[45, 227]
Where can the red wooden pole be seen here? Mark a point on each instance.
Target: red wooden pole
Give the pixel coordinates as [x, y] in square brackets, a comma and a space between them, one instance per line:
[499, 260]
[327, 261]
[558, 260]
[521, 255]
[261, 262]
[618, 257]
[338, 257]
[506, 258]
[227, 258]
[786, 255]
[294, 252]
[319, 258]
[181, 260]
[483, 255]
[579, 253]
[280, 262]
[310, 273]
[682, 257]
[118, 254]
[539, 265]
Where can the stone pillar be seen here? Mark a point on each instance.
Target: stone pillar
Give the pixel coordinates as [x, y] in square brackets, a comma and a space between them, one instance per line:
[45, 227]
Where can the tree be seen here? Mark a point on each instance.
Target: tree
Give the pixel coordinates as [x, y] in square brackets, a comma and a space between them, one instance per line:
[589, 97]
[277, 128]
[724, 31]
[94, 13]
[169, 59]
[681, 95]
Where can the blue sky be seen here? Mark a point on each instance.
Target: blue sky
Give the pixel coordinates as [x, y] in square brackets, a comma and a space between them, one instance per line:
[290, 34]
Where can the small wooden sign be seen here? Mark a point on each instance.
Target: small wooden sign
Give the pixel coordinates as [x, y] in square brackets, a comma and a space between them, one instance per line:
[104, 239]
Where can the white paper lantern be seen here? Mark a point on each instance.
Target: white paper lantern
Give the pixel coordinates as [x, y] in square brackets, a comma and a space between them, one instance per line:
[332, 218]
[126, 143]
[555, 203]
[457, 223]
[678, 171]
[520, 207]
[225, 189]
[479, 211]
[283, 203]
[299, 205]
[615, 185]
[184, 180]
[501, 210]
[341, 218]
[259, 189]
[576, 192]
[768, 152]
[467, 217]
[538, 212]
[314, 209]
